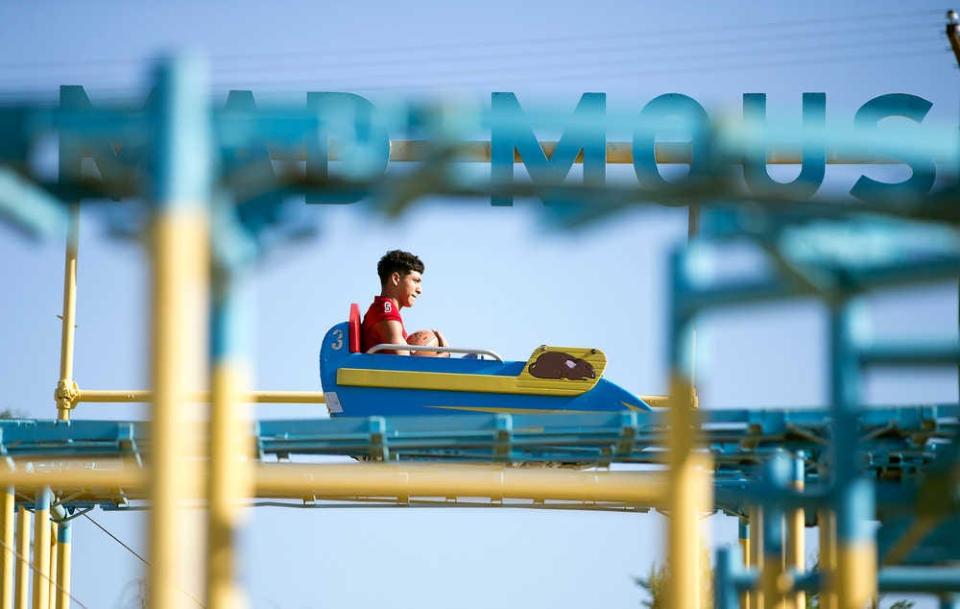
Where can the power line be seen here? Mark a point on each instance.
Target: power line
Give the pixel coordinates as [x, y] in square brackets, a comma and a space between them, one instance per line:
[682, 64]
[135, 553]
[464, 54]
[588, 72]
[633, 35]
[108, 93]
[36, 572]
[649, 48]
[117, 539]
[626, 53]
[462, 79]
[393, 50]
[678, 60]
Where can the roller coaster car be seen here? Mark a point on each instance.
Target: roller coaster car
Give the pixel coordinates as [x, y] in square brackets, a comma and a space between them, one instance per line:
[553, 380]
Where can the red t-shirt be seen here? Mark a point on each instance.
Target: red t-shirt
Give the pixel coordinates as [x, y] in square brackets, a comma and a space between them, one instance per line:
[382, 309]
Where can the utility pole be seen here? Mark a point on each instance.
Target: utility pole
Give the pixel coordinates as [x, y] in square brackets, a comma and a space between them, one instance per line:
[953, 22]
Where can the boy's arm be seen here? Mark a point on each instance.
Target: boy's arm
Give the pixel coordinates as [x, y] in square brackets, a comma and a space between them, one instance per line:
[392, 331]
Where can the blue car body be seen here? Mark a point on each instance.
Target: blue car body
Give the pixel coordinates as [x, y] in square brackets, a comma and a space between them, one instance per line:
[361, 384]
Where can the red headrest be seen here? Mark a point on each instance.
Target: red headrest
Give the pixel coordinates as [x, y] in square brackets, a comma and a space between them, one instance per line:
[354, 328]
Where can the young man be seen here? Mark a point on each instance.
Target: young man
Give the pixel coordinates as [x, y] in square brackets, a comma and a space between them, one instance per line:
[401, 276]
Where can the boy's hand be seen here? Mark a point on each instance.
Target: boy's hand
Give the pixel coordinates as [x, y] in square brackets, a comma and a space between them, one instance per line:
[442, 343]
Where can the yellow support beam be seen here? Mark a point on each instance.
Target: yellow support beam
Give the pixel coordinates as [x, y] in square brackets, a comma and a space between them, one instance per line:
[856, 575]
[258, 397]
[746, 532]
[24, 519]
[771, 595]
[795, 547]
[773, 582]
[688, 497]
[284, 397]
[230, 481]
[52, 566]
[756, 552]
[65, 394]
[179, 288]
[373, 480]
[828, 558]
[7, 557]
[63, 566]
[41, 551]
[108, 476]
[179, 254]
[342, 481]
[380, 481]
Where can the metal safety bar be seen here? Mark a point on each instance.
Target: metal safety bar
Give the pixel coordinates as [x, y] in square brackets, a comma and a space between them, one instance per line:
[404, 347]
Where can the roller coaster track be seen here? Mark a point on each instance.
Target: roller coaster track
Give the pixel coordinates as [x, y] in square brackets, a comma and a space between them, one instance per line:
[898, 444]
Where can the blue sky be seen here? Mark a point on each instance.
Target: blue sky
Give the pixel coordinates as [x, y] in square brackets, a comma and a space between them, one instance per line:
[495, 277]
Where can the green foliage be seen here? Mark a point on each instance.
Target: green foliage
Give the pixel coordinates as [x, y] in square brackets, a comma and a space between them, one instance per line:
[655, 583]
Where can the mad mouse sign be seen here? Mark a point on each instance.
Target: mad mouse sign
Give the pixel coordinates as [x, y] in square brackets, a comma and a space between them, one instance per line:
[361, 135]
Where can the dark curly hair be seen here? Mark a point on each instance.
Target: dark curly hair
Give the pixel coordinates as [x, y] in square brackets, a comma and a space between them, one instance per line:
[398, 261]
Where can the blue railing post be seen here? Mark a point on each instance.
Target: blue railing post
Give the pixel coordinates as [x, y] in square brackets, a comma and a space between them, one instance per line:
[853, 501]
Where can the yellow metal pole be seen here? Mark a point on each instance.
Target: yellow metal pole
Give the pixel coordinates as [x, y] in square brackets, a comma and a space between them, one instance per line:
[852, 499]
[756, 552]
[229, 482]
[67, 391]
[350, 481]
[856, 575]
[828, 558]
[284, 397]
[775, 584]
[178, 286]
[179, 255]
[771, 595]
[23, 557]
[7, 557]
[746, 597]
[41, 551]
[795, 549]
[230, 468]
[331, 481]
[116, 396]
[63, 566]
[52, 568]
[97, 477]
[688, 493]
[259, 397]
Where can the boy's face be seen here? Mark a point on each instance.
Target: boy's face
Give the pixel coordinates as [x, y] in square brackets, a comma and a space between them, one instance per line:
[408, 287]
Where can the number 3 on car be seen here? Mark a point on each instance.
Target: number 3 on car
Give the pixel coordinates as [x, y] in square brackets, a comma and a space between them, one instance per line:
[337, 343]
